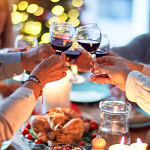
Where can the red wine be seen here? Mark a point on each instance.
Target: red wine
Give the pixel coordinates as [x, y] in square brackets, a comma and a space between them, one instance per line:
[60, 44]
[89, 45]
[101, 53]
[72, 55]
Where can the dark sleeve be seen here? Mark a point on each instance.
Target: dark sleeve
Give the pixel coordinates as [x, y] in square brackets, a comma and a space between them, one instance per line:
[138, 49]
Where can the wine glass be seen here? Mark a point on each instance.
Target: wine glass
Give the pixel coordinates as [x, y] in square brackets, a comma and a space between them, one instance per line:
[89, 37]
[71, 57]
[24, 42]
[62, 35]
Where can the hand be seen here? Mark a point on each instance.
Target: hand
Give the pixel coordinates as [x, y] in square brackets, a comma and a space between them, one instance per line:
[35, 55]
[82, 62]
[50, 69]
[114, 67]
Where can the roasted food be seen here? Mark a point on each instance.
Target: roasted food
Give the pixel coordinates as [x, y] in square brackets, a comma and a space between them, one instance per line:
[62, 125]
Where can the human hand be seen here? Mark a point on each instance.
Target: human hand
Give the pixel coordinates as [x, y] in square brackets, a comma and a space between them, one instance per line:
[82, 62]
[34, 56]
[114, 67]
[50, 69]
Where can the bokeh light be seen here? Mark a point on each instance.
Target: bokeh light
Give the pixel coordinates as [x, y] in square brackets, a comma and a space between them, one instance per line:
[32, 8]
[73, 13]
[77, 3]
[57, 10]
[16, 17]
[63, 17]
[39, 12]
[23, 5]
[75, 21]
[54, 1]
[53, 19]
[45, 37]
[14, 7]
[33, 27]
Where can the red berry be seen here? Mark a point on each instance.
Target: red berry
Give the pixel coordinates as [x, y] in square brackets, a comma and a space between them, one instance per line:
[29, 136]
[38, 141]
[28, 125]
[81, 143]
[25, 131]
[93, 126]
[94, 135]
[85, 120]
[93, 121]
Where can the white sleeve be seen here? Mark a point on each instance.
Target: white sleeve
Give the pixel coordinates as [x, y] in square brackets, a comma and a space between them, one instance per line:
[14, 111]
[138, 89]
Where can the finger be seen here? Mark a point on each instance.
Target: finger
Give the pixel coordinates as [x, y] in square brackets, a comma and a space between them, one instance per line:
[92, 70]
[100, 79]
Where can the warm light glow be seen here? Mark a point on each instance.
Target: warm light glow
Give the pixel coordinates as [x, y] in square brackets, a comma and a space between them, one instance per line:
[14, 7]
[77, 3]
[139, 140]
[18, 27]
[75, 21]
[32, 27]
[63, 17]
[23, 5]
[53, 19]
[122, 140]
[45, 37]
[16, 17]
[57, 10]
[73, 13]
[54, 1]
[39, 12]
[24, 16]
[32, 8]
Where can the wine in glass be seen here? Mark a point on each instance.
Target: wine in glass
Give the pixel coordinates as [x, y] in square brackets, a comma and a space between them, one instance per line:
[89, 37]
[62, 35]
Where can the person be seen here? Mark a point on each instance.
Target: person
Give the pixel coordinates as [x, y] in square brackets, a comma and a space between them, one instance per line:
[15, 63]
[131, 77]
[6, 27]
[136, 50]
[16, 109]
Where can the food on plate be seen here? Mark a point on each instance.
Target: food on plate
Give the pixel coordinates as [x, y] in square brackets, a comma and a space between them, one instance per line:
[98, 143]
[62, 125]
[66, 147]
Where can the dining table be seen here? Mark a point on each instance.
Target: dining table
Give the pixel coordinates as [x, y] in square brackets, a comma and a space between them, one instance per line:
[91, 111]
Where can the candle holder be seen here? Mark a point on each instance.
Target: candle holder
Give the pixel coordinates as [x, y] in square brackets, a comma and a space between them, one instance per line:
[114, 121]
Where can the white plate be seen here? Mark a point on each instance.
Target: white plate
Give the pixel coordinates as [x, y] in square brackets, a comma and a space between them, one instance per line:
[88, 92]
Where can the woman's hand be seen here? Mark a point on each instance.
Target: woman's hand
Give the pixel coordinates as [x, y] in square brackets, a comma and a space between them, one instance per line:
[34, 56]
[50, 69]
[114, 67]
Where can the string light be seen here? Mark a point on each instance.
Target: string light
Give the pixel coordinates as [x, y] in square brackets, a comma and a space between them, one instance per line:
[32, 8]
[54, 1]
[57, 10]
[16, 17]
[77, 3]
[23, 5]
[14, 7]
[73, 13]
[39, 12]
[45, 37]
[75, 21]
[24, 16]
[63, 17]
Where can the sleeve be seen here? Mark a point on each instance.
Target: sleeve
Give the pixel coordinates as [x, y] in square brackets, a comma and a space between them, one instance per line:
[138, 89]
[14, 111]
[10, 65]
[146, 70]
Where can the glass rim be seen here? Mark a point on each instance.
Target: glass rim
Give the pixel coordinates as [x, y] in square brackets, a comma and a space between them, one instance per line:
[105, 102]
[61, 22]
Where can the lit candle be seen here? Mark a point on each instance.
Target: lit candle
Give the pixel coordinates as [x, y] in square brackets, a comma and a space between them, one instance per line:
[120, 146]
[139, 145]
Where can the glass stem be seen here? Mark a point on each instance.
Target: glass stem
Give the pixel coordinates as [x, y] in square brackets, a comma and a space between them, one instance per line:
[74, 69]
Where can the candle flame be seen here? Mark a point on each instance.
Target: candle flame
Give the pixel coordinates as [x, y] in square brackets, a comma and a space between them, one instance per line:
[139, 140]
[122, 140]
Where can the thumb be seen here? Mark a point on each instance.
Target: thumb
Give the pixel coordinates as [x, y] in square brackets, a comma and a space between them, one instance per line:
[102, 68]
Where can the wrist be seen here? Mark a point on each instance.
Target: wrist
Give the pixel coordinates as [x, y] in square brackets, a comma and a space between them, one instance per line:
[24, 61]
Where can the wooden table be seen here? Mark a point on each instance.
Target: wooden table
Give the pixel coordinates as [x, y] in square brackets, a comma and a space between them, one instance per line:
[92, 112]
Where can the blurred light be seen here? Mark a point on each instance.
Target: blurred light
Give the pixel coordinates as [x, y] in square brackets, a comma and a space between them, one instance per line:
[16, 17]
[45, 37]
[73, 13]
[23, 5]
[54, 1]
[39, 12]
[18, 27]
[75, 21]
[63, 17]
[41, 42]
[53, 19]
[24, 16]
[77, 3]
[32, 27]
[57, 10]
[14, 7]
[32, 8]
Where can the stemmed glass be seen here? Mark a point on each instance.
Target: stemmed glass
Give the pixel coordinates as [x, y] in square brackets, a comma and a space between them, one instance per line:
[89, 37]
[24, 42]
[62, 35]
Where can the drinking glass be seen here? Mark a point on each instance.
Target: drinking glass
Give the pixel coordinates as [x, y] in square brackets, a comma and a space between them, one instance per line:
[114, 121]
[24, 42]
[62, 35]
[89, 37]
